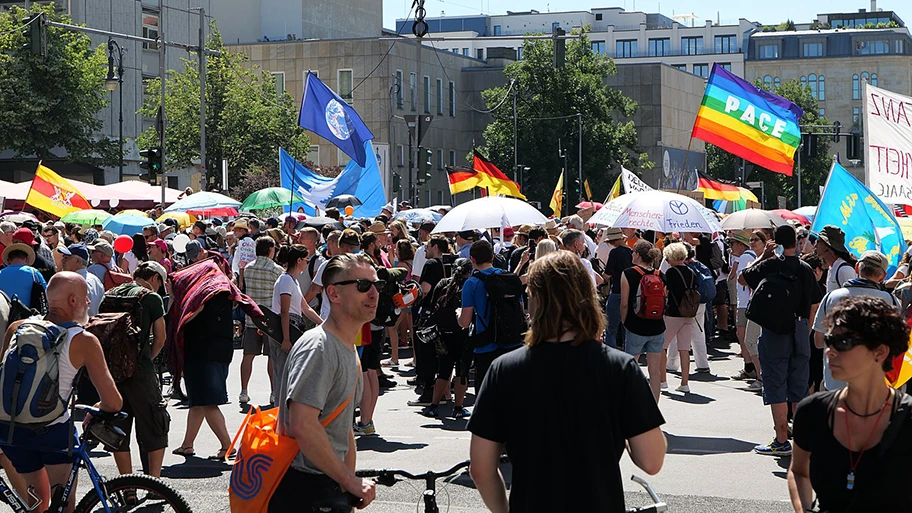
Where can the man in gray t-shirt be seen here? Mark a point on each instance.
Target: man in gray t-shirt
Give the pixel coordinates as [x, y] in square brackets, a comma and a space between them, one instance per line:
[319, 387]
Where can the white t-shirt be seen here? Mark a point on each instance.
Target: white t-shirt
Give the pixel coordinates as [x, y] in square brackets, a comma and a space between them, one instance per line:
[304, 279]
[318, 280]
[419, 260]
[287, 285]
[840, 272]
[744, 292]
[131, 261]
[588, 265]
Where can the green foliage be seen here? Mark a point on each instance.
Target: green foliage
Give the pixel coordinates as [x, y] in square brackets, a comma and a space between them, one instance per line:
[544, 91]
[246, 121]
[786, 26]
[724, 165]
[52, 102]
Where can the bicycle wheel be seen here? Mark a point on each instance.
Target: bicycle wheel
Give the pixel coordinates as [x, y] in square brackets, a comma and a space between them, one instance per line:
[151, 494]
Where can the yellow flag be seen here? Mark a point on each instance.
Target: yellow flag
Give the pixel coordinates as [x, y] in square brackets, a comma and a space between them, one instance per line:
[615, 190]
[53, 194]
[557, 198]
[588, 190]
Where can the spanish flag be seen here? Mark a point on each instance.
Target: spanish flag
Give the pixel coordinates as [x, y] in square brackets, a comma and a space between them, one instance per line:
[462, 179]
[713, 190]
[557, 199]
[53, 194]
[494, 179]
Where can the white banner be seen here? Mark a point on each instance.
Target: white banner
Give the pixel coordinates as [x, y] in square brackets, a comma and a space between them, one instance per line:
[888, 143]
[632, 182]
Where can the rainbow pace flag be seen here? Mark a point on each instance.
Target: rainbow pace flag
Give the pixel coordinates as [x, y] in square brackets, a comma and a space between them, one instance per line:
[751, 123]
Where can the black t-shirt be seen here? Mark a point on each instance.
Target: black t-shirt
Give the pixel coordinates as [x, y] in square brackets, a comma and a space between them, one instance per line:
[882, 475]
[634, 323]
[431, 273]
[619, 259]
[210, 335]
[567, 460]
[807, 282]
[676, 283]
[516, 257]
[704, 251]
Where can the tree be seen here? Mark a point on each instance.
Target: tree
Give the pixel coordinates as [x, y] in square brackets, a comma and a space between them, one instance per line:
[261, 177]
[246, 121]
[814, 170]
[49, 102]
[544, 91]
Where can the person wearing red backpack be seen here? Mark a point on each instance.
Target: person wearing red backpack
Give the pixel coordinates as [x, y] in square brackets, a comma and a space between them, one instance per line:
[642, 310]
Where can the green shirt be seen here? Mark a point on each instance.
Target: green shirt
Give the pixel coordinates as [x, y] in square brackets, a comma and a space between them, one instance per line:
[152, 310]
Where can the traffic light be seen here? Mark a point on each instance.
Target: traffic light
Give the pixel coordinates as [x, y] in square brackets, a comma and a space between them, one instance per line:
[35, 34]
[397, 182]
[152, 162]
[425, 164]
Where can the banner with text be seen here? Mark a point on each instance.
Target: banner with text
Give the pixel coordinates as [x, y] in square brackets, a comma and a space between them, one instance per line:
[888, 138]
[632, 182]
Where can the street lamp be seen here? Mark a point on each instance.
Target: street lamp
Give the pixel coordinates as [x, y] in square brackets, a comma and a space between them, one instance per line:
[113, 81]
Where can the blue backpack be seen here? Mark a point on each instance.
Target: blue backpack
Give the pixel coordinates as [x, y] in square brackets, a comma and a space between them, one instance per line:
[707, 284]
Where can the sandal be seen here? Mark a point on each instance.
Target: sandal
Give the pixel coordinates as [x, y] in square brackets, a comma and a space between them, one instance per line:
[223, 455]
[184, 451]
[129, 497]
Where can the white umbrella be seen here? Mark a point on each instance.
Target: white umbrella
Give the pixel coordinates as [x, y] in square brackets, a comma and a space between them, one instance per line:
[659, 211]
[489, 212]
[203, 201]
[752, 219]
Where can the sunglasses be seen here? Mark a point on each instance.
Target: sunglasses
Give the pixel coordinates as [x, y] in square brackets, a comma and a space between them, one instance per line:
[842, 342]
[362, 284]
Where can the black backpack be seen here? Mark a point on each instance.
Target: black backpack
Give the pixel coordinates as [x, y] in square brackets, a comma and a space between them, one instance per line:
[507, 323]
[443, 311]
[387, 311]
[774, 304]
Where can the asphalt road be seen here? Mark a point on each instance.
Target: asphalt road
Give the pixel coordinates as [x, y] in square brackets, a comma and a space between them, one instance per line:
[709, 467]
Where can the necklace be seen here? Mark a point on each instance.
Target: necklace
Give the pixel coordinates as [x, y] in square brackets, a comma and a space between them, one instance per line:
[853, 463]
[853, 412]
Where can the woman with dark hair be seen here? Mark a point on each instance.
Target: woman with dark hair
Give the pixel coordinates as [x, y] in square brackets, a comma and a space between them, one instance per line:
[288, 302]
[563, 363]
[132, 258]
[644, 335]
[851, 446]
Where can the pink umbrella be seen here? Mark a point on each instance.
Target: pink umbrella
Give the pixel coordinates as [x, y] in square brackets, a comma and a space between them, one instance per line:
[589, 204]
[789, 215]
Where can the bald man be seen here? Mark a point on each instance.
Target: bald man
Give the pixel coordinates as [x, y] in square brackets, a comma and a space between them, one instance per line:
[68, 300]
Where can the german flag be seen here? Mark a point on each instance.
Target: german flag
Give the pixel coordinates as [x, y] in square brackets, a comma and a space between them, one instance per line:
[53, 194]
[713, 190]
[494, 179]
[462, 179]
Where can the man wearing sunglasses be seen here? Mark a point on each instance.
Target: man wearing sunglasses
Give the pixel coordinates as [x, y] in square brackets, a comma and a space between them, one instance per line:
[872, 270]
[319, 388]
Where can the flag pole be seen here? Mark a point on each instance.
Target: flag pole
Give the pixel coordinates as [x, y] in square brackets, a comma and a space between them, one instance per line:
[684, 166]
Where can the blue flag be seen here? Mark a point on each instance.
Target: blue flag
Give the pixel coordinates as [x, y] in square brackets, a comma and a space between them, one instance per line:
[868, 223]
[362, 182]
[326, 114]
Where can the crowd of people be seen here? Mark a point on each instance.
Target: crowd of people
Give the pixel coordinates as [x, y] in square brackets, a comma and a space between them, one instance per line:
[516, 311]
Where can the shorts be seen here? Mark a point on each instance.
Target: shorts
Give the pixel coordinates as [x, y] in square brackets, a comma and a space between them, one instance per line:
[370, 354]
[741, 320]
[785, 364]
[682, 328]
[35, 449]
[752, 338]
[255, 342]
[638, 344]
[459, 356]
[301, 491]
[142, 401]
[732, 284]
[722, 297]
[206, 382]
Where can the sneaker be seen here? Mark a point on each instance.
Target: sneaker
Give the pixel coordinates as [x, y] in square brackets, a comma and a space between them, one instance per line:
[683, 389]
[243, 398]
[430, 411]
[459, 412]
[775, 448]
[754, 385]
[422, 400]
[743, 375]
[386, 383]
[664, 385]
[361, 429]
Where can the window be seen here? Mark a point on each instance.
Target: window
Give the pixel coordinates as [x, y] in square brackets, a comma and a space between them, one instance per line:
[692, 45]
[821, 112]
[804, 81]
[680, 67]
[413, 85]
[439, 96]
[427, 94]
[465, 51]
[821, 88]
[598, 47]
[899, 47]
[279, 77]
[768, 52]
[768, 82]
[452, 157]
[150, 29]
[398, 85]
[776, 82]
[342, 158]
[856, 114]
[874, 79]
[400, 155]
[519, 53]
[872, 47]
[452, 99]
[864, 77]
[479, 54]
[439, 159]
[626, 48]
[598, 17]
[659, 47]
[726, 44]
[554, 26]
[856, 88]
[497, 30]
[701, 70]
[812, 83]
[812, 49]
[314, 154]
[427, 194]
[727, 66]
[345, 85]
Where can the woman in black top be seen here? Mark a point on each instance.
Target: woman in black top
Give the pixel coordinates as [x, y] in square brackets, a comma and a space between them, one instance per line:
[853, 446]
[585, 437]
[678, 279]
[643, 335]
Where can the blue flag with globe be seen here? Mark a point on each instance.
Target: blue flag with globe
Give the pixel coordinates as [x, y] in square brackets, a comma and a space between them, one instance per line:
[326, 114]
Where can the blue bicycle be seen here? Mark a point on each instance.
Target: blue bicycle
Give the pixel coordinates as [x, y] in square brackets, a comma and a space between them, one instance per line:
[127, 493]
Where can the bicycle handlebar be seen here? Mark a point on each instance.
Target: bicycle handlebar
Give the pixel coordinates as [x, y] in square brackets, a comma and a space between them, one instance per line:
[368, 473]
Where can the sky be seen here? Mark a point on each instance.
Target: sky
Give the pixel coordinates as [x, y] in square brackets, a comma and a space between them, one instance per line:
[767, 12]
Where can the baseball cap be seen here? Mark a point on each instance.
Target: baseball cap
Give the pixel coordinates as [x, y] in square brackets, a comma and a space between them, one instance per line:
[193, 249]
[875, 258]
[102, 246]
[25, 236]
[160, 244]
[77, 250]
[508, 231]
[468, 234]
